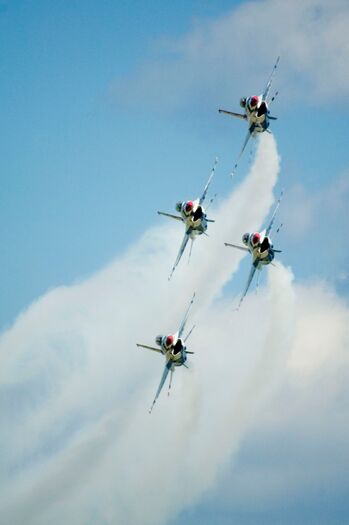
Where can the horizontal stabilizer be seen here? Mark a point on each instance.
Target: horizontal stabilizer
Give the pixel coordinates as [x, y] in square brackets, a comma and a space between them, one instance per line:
[272, 118]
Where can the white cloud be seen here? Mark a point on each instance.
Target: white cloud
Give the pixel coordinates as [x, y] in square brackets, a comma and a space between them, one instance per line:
[315, 231]
[219, 60]
[321, 335]
[295, 451]
[307, 211]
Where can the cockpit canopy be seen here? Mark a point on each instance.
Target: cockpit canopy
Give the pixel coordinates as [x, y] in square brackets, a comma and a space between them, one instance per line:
[255, 239]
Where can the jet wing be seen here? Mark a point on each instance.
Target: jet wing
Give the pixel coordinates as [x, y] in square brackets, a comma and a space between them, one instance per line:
[233, 114]
[236, 246]
[180, 253]
[149, 348]
[250, 277]
[170, 215]
[268, 86]
[248, 136]
[182, 326]
[203, 196]
[268, 230]
[167, 368]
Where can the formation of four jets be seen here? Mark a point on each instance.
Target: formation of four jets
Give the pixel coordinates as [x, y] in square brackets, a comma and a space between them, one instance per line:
[194, 217]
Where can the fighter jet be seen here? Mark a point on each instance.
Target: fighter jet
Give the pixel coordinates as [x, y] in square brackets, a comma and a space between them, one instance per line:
[257, 113]
[193, 215]
[260, 246]
[173, 347]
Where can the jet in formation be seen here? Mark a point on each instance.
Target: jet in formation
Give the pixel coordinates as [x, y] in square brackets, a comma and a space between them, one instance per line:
[173, 347]
[194, 217]
[260, 246]
[257, 113]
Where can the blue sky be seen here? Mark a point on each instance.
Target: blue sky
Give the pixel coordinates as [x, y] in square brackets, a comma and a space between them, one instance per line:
[109, 113]
[72, 158]
[75, 155]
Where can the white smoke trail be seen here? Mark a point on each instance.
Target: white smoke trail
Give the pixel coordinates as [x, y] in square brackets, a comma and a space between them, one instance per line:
[79, 444]
[245, 357]
[242, 211]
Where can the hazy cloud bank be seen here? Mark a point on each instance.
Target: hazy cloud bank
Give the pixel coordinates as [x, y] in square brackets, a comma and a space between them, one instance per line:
[219, 60]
